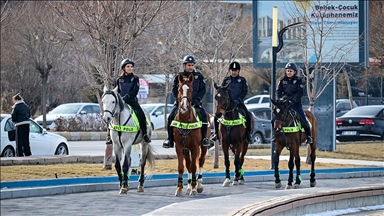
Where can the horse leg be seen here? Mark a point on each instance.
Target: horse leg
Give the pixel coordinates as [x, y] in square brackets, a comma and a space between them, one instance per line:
[180, 168]
[227, 164]
[143, 156]
[188, 165]
[244, 150]
[297, 164]
[126, 165]
[118, 165]
[313, 159]
[276, 160]
[237, 165]
[200, 187]
[193, 167]
[290, 166]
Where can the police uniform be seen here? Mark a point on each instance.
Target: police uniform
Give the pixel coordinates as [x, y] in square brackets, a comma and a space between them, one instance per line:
[292, 89]
[198, 93]
[128, 86]
[238, 90]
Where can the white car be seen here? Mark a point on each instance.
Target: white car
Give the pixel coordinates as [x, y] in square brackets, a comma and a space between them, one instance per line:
[156, 111]
[69, 110]
[258, 99]
[41, 141]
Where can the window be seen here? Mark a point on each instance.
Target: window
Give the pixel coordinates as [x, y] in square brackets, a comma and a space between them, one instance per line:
[96, 109]
[87, 109]
[265, 100]
[9, 125]
[33, 128]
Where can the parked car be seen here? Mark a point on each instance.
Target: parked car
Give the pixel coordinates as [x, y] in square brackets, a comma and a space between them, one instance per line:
[342, 106]
[361, 123]
[262, 132]
[156, 111]
[70, 110]
[41, 141]
[258, 99]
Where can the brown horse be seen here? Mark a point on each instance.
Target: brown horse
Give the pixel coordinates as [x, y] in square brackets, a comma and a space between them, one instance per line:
[188, 139]
[231, 132]
[289, 134]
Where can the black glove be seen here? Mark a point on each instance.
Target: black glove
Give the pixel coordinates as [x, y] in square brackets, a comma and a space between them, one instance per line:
[291, 103]
[126, 97]
[195, 103]
[237, 101]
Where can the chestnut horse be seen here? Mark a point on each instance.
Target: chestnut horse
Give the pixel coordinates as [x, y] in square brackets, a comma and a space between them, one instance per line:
[231, 133]
[188, 139]
[289, 134]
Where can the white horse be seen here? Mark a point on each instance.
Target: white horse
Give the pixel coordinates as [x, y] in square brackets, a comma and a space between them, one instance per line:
[125, 132]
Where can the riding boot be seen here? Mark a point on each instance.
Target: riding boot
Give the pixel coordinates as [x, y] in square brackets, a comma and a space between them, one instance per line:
[273, 139]
[145, 135]
[168, 143]
[205, 141]
[308, 132]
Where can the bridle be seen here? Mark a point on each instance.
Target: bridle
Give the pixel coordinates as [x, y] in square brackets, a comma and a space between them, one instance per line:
[184, 100]
[226, 103]
[284, 116]
[113, 112]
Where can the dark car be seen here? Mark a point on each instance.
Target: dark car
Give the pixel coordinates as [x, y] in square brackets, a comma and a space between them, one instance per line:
[361, 123]
[262, 116]
[342, 106]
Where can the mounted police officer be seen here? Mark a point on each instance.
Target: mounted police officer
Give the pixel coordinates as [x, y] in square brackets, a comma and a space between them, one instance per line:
[197, 95]
[291, 87]
[238, 87]
[128, 87]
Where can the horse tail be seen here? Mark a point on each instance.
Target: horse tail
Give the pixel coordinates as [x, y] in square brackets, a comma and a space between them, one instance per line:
[150, 159]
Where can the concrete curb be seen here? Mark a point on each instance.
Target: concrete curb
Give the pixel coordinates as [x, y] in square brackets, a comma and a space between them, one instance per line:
[299, 204]
[31, 188]
[86, 136]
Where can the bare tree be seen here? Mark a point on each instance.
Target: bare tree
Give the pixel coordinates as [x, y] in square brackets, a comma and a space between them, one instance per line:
[105, 32]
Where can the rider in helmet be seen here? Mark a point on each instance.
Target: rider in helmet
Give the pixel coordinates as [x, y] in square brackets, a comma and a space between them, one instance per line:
[128, 87]
[291, 88]
[238, 91]
[197, 95]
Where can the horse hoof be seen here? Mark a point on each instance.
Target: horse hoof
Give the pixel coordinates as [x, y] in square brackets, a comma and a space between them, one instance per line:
[140, 189]
[288, 187]
[278, 185]
[241, 182]
[188, 191]
[199, 188]
[193, 192]
[235, 182]
[123, 190]
[296, 186]
[313, 184]
[178, 192]
[226, 182]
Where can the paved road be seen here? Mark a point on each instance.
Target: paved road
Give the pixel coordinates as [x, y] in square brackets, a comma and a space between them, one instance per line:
[215, 200]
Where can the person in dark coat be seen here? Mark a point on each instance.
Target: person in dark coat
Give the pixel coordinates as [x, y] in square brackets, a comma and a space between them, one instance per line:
[238, 90]
[291, 87]
[128, 86]
[198, 93]
[20, 116]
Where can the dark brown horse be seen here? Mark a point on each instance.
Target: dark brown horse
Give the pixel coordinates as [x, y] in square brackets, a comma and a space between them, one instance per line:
[231, 133]
[289, 134]
[188, 139]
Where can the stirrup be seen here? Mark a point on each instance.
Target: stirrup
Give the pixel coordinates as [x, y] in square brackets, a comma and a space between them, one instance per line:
[167, 144]
[309, 140]
[205, 142]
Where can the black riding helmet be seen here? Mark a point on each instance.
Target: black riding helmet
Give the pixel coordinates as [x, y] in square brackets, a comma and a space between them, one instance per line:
[234, 66]
[125, 62]
[291, 65]
[189, 59]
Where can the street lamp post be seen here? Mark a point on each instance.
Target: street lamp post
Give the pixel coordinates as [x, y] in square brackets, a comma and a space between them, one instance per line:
[276, 49]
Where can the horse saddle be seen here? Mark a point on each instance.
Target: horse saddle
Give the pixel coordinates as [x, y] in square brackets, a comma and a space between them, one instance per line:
[299, 124]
